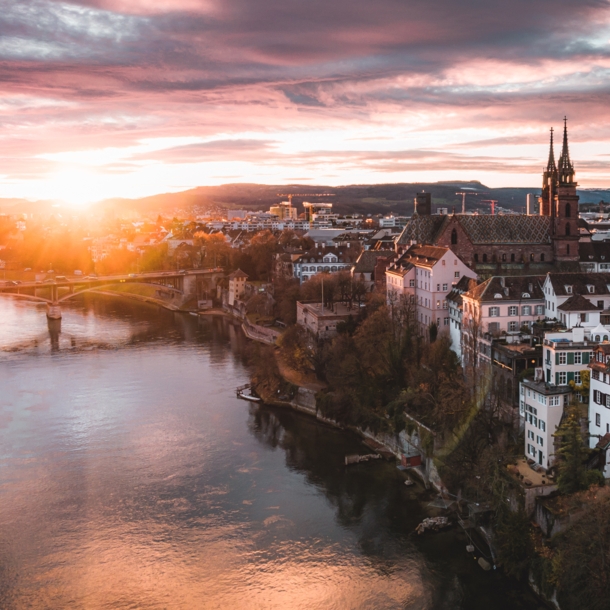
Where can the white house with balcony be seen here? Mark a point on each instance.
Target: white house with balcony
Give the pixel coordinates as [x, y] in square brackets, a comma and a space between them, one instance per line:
[560, 290]
[325, 260]
[424, 276]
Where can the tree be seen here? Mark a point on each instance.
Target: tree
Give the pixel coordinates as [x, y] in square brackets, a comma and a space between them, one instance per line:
[573, 474]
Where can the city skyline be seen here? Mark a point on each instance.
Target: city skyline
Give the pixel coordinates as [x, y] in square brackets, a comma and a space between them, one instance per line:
[109, 98]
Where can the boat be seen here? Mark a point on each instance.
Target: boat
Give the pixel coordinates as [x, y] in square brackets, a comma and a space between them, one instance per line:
[245, 393]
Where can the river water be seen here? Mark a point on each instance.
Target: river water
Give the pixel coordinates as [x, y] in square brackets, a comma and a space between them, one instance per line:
[132, 477]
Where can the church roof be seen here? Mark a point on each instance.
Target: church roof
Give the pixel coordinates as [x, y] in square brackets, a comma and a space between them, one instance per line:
[422, 229]
[481, 229]
[510, 229]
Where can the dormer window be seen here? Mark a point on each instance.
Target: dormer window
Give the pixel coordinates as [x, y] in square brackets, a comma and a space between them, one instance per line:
[569, 289]
[590, 288]
[497, 295]
[525, 295]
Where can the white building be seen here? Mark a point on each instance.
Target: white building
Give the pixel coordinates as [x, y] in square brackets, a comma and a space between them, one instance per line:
[426, 275]
[559, 287]
[325, 260]
[599, 404]
[542, 407]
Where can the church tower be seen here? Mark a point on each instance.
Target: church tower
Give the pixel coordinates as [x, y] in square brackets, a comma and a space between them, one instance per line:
[549, 182]
[564, 227]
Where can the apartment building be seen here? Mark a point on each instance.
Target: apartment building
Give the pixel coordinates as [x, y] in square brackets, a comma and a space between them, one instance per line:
[599, 404]
[425, 275]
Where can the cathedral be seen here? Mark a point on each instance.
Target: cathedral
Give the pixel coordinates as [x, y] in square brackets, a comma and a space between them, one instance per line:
[512, 243]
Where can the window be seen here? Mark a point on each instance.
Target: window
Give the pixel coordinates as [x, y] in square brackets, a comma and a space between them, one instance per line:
[598, 420]
[512, 258]
[438, 288]
[577, 378]
[600, 304]
[563, 378]
[542, 258]
[494, 312]
[568, 230]
[454, 237]
[526, 310]
[522, 407]
[532, 257]
[513, 310]
[445, 305]
[493, 327]
[484, 258]
[456, 274]
[411, 283]
[445, 321]
[568, 210]
[595, 374]
[513, 326]
[539, 441]
[504, 258]
[476, 258]
[539, 310]
[563, 358]
[542, 425]
[530, 435]
[569, 289]
[438, 304]
[445, 287]
[577, 357]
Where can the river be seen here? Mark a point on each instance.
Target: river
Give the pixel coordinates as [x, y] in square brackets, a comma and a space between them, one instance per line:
[132, 477]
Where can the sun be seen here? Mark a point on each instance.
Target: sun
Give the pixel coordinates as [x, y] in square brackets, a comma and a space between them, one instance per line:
[77, 187]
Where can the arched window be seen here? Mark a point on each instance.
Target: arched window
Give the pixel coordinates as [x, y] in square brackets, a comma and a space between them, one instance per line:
[532, 257]
[568, 210]
[504, 258]
[512, 258]
[568, 249]
[454, 237]
[476, 258]
[484, 258]
[542, 258]
[567, 228]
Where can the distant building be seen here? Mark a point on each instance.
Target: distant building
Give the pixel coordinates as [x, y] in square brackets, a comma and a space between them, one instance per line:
[284, 211]
[324, 260]
[365, 268]
[322, 321]
[237, 286]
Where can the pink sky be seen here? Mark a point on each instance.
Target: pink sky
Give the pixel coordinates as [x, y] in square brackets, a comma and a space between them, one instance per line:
[134, 97]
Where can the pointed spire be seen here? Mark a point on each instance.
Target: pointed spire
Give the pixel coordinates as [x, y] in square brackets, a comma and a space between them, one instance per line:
[566, 169]
[550, 167]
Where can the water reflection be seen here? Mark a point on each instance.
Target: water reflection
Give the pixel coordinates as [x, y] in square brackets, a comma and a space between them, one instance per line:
[131, 476]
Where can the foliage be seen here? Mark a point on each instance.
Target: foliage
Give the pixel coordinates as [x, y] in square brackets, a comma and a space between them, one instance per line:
[573, 474]
[513, 540]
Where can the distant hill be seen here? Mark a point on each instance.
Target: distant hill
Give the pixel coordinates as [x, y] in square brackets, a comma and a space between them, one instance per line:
[362, 199]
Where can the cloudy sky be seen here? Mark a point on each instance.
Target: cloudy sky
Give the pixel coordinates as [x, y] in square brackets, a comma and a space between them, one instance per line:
[133, 97]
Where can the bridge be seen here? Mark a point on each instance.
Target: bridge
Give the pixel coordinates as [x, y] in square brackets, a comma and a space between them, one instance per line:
[175, 287]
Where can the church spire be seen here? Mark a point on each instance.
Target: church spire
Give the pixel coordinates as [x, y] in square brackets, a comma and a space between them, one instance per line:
[550, 167]
[565, 169]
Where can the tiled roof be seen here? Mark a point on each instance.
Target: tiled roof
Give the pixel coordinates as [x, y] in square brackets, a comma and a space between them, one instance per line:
[238, 273]
[510, 229]
[579, 283]
[422, 229]
[594, 251]
[578, 303]
[343, 254]
[508, 288]
[368, 259]
[426, 256]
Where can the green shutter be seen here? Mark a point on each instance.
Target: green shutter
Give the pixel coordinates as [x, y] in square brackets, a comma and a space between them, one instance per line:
[570, 357]
[556, 357]
[585, 357]
[570, 377]
[556, 378]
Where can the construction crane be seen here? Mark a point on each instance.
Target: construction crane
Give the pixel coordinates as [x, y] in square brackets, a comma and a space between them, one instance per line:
[463, 194]
[291, 195]
[493, 205]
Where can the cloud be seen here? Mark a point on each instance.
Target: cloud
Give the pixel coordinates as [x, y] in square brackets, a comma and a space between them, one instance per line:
[276, 84]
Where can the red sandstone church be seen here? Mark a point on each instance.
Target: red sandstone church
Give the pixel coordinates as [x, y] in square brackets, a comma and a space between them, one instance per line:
[532, 244]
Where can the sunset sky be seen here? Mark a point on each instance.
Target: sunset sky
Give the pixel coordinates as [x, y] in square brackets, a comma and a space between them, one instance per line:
[129, 98]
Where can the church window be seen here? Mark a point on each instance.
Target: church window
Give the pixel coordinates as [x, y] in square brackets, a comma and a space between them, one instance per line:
[512, 258]
[567, 228]
[532, 257]
[476, 258]
[542, 258]
[568, 210]
[454, 236]
[568, 249]
[504, 258]
[484, 258]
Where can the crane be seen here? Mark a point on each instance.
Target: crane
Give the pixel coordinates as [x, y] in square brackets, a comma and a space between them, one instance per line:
[463, 194]
[493, 204]
[291, 195]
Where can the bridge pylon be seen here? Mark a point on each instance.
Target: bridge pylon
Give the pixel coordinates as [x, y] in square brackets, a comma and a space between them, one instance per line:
[53, 308]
